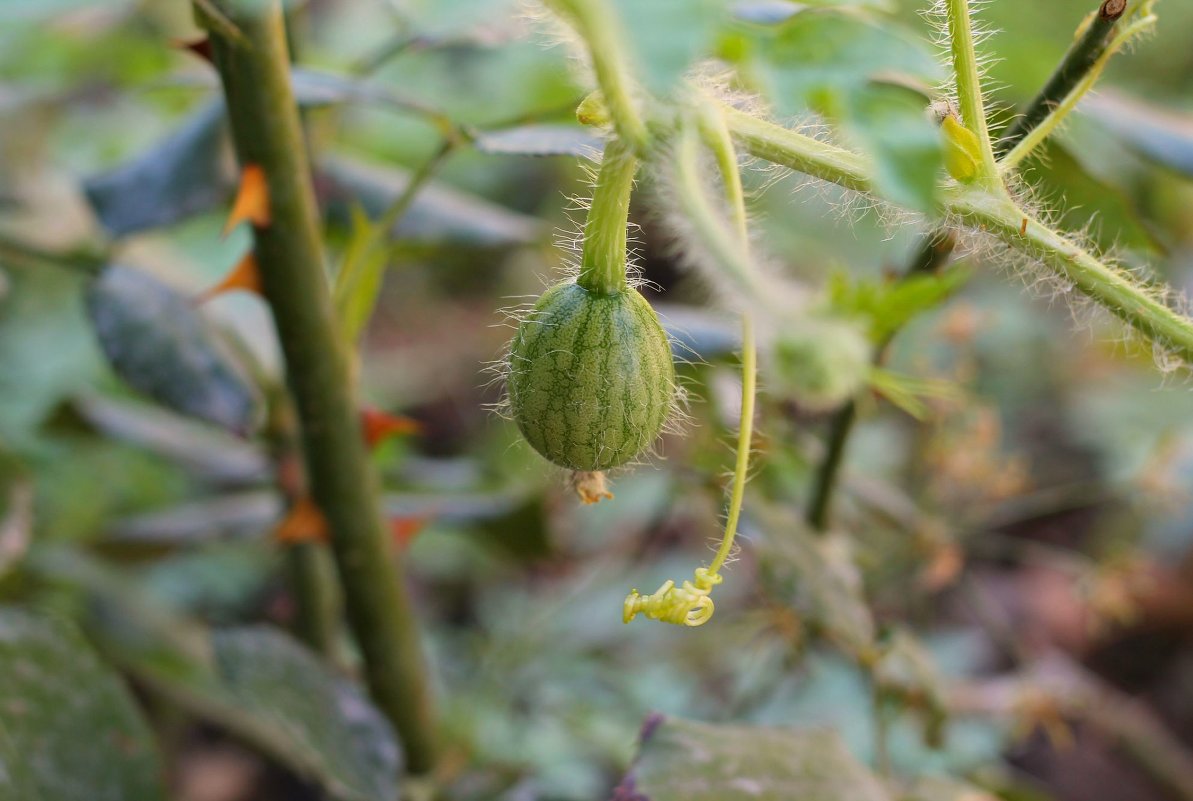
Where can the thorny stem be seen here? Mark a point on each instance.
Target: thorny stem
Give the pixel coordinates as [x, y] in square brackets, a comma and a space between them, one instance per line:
[308, 565]
[594, 23]
[969, 86]
[603, 264]
[1078, 61]
[266, 131]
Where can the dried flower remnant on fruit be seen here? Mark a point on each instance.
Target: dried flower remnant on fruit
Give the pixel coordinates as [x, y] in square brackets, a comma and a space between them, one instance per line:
[591, 487]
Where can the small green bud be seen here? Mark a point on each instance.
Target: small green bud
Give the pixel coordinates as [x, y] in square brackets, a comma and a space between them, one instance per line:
[821, 364]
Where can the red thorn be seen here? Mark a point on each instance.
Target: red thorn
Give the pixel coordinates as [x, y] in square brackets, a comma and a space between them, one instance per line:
[405, 529]
[377, 426]
[303, 523]
[200, 47]
[252, 200]
[244, 276]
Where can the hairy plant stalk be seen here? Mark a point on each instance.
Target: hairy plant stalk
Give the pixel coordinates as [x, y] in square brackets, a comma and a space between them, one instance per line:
[603, 268]
[709, 230]
[1073, 77]
[254, 70]
[969, 86]
[594, 22]
[716, 135]
[992, 212]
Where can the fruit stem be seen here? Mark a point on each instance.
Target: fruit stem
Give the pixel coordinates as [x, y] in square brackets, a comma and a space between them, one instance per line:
[255, 73]
[603, 265]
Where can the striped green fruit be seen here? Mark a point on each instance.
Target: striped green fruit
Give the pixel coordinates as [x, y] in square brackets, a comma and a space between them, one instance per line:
[591, 380]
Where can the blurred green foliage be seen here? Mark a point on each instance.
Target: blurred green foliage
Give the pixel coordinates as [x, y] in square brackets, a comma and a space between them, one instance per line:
[541, 686]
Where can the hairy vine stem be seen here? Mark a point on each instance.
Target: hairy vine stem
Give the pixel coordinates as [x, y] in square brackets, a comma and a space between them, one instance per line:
[1074, 76]
[254, 71]
[716, 136]
[603, 265]
[969, 87]
[992, 212]
[597, 29]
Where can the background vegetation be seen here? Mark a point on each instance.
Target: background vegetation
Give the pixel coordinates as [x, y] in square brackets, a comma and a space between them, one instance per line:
[1002, 607]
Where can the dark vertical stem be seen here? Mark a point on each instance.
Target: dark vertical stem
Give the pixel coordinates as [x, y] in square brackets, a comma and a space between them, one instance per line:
[819, 514]
[309, 570]
[254, 70]
[932, 254]
[1079, 59]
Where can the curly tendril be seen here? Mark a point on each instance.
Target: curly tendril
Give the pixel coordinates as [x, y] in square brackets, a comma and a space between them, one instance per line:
[690, 604]
[687, 605]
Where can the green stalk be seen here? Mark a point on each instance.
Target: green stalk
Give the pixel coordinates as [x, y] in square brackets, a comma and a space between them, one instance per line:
[603, 266]
[597, 28]
[1051, 121]
[266, 131]
[969, 86]
[725, 246]
[988, 211]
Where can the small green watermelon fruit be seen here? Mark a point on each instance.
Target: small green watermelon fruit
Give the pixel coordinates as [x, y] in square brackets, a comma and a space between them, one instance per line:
[591, 379]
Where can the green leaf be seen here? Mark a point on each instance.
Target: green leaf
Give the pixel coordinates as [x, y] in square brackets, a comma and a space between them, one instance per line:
[1067, 185]
[869, 77]
[438, 214]
[682, 760]
[908, 392]
[666, 37]
[890, 304]
[358, 281]
[798, 60]
[158, 342]
[187, 172]
[304, 709]
[889, 124]
[258, 683]
[279, 697]
[69, 729]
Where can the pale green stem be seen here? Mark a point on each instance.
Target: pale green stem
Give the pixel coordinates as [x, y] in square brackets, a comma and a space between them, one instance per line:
[595, 24]
[603, 266]
[1111, 288]
[988, 211]
[709, 228]
[716, 135]
[969, 86]
[1050, 123]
